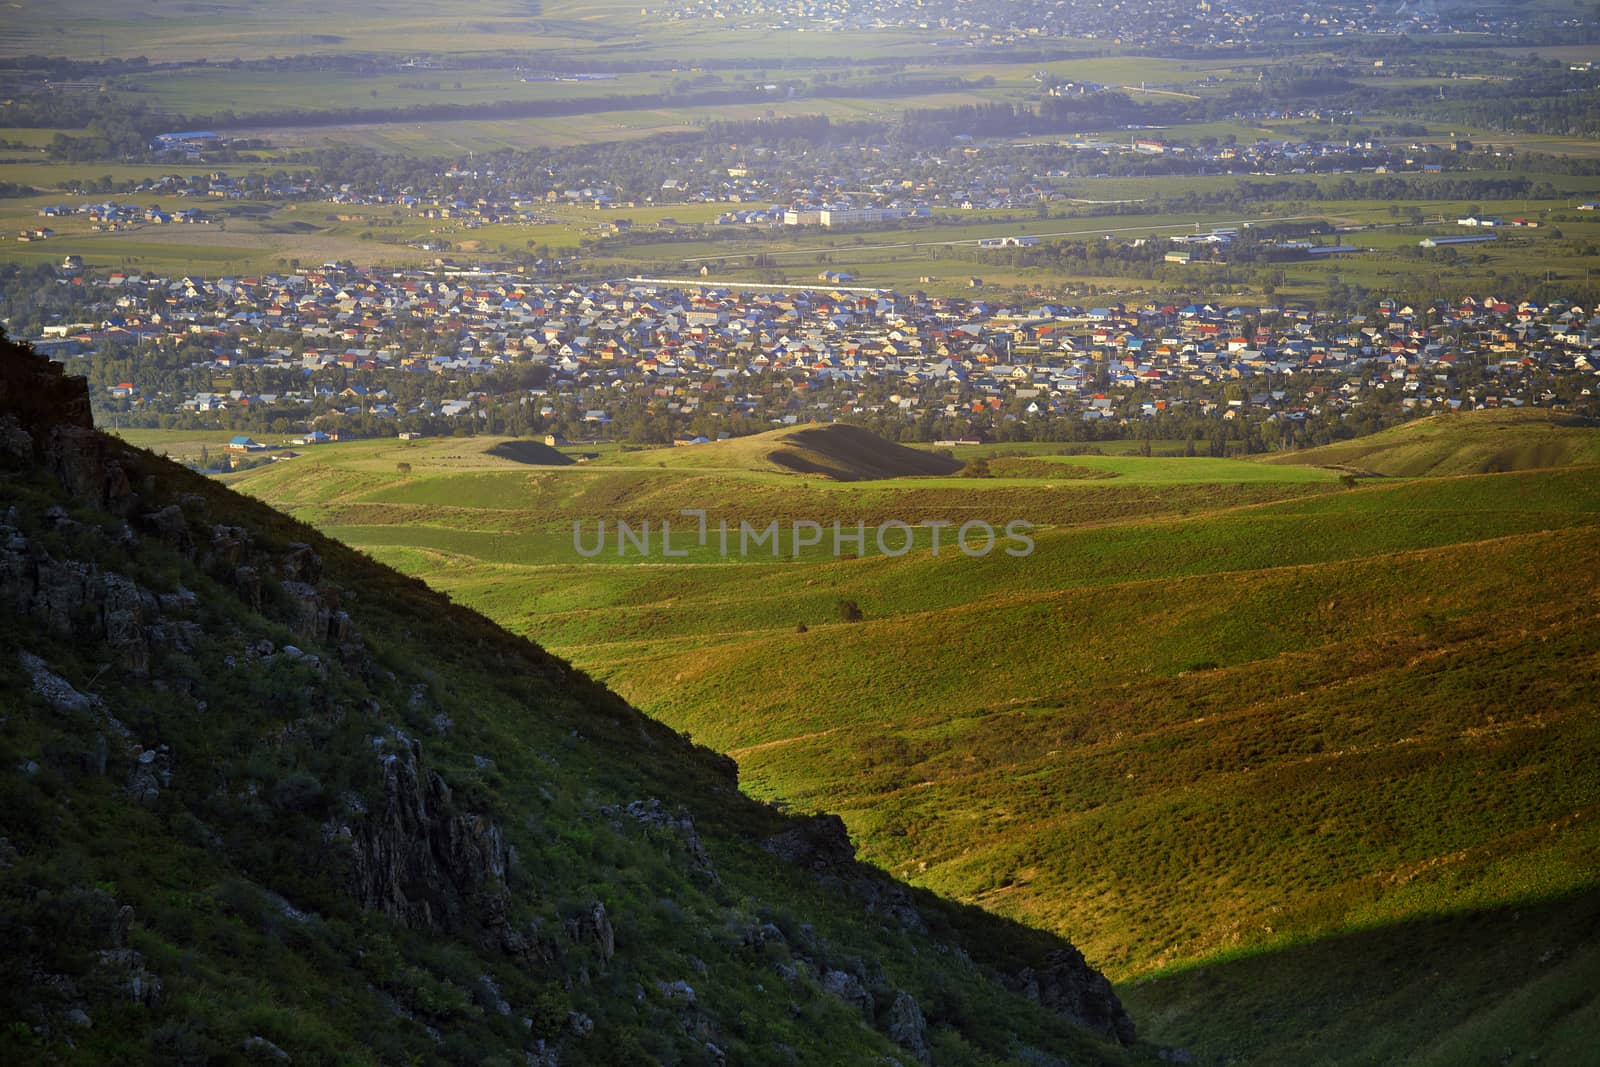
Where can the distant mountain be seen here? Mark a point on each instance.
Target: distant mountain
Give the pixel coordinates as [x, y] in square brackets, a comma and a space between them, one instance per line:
[264, 800]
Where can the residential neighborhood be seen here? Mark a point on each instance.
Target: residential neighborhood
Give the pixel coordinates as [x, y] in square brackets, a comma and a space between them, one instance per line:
[339, 350]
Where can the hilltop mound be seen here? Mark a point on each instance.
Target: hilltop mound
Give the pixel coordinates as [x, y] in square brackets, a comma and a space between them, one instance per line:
[265, 800]
[1475, 442]
[837, 451]
[535, 453]
[848, 453]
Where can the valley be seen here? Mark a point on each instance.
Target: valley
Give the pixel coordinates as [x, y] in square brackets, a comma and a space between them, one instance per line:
[1227, 712]
[860, 532]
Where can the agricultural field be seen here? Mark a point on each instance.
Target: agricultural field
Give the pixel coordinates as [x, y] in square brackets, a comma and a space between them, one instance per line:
[418, 57]
[234, 28]
[264, 236]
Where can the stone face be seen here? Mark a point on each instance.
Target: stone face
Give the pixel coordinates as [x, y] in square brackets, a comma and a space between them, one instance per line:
[423, 863]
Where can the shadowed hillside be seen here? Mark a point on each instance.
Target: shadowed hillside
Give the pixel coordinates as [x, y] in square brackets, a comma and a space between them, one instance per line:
[1535, 997]
[536, 453]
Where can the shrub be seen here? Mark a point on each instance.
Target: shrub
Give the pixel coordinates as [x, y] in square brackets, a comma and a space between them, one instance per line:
[298, 792]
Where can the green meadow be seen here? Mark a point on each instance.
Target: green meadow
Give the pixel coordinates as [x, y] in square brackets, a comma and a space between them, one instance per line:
[1226, 721]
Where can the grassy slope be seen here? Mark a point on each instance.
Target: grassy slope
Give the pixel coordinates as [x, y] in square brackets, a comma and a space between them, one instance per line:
[1534, 970]
[1479, 443]
[1182, 740]
[347, 986]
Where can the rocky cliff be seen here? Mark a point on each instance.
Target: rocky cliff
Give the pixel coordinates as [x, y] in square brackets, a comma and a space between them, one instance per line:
[265, 800]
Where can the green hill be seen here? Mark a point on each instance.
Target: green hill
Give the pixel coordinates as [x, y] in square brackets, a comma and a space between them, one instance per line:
[1216, 730]
[836, 451]
[1475, 442]
[267, 801]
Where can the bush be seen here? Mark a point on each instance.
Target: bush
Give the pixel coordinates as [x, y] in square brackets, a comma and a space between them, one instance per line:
[298, 792]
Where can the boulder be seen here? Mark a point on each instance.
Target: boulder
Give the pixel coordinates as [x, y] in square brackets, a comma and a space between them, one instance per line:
[594, 928]
[848, 988]
[818, 843]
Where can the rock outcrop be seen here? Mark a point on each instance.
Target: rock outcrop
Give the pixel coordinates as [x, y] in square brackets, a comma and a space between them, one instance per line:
[818, 843]
[592, 927]
[848, 988]
[1067, 985]
[419, 860]
[821, 844]
[39, 395]
[907, 1028]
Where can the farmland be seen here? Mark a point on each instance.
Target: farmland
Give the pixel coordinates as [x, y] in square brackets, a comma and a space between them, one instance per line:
[454, 87]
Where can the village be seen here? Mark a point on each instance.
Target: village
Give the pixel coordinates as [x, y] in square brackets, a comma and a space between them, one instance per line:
[342, 351]
[1218, 24]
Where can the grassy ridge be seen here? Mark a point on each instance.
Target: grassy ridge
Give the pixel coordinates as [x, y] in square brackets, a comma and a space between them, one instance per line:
[680, 607]
[1433, 446]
